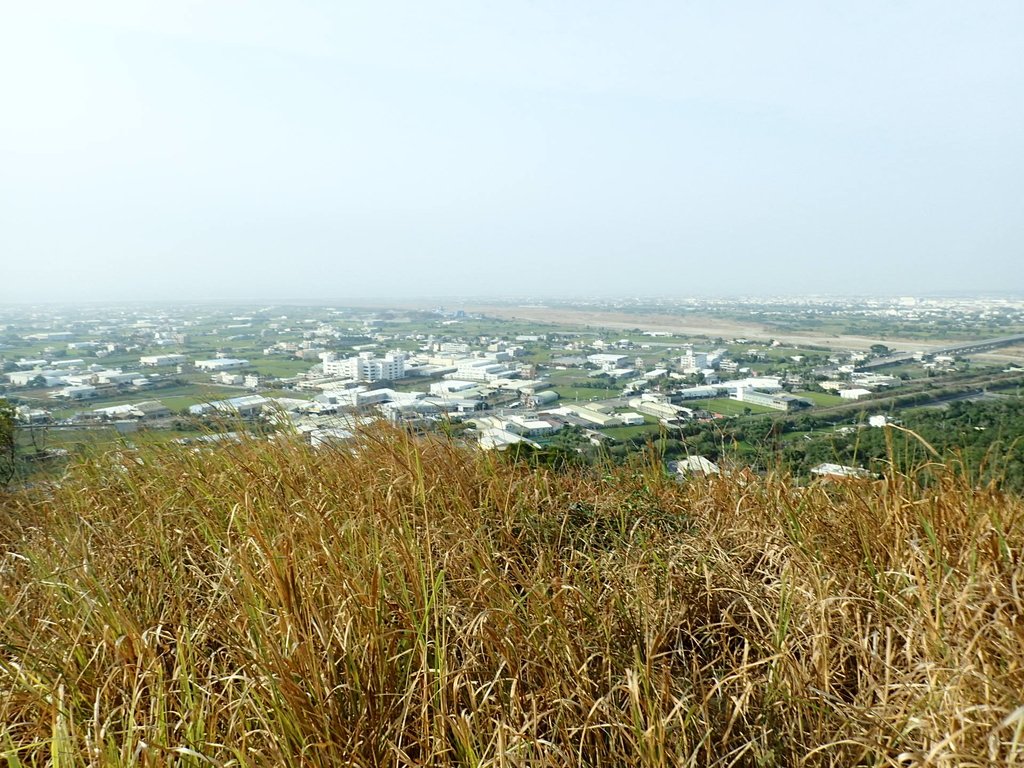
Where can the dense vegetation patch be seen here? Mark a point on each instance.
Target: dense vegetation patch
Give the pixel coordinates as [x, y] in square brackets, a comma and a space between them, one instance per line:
[985, 441]
[412, 603]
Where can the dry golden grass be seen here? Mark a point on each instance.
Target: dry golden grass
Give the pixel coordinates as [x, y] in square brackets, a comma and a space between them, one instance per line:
[412, 603]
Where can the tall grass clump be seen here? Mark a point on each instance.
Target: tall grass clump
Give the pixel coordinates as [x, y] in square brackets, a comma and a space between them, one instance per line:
[407, 602]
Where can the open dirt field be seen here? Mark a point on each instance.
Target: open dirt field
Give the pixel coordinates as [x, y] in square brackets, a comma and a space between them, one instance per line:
[1005, 355]
[690, 325]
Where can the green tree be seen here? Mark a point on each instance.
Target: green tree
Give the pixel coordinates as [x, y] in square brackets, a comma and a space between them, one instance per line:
[7, 443]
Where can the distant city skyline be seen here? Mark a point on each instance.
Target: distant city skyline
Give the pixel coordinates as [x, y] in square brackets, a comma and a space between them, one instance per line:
[313, 151]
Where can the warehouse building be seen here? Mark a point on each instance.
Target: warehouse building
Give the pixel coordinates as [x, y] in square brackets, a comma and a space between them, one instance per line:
[156, 361]
[778, 401]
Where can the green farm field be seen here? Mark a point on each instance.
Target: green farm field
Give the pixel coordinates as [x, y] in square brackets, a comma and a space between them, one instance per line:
[727, 407]
[821, 399]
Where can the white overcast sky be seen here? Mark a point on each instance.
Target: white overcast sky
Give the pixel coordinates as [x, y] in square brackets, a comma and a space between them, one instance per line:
[291, 150]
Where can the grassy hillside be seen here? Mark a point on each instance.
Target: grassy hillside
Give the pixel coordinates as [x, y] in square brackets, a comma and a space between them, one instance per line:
[414, 604]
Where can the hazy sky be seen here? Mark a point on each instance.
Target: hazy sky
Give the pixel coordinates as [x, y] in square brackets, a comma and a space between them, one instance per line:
[185, 149]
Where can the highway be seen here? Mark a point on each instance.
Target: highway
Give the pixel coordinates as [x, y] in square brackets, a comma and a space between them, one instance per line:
[979, 345]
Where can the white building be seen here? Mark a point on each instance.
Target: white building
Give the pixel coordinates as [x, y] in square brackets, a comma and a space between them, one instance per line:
[23, 378]
[221, 364]
[355, 397]
[448, 386]
[839, 470]
[874, 380]
[854, 394]
[606, 362]
[693, 361]
[595, 417]
[366, 367]
[243, 407]
[760, 383]
[777, 400]
[696, 465]
[114, 376]
[156, 361]
[538, 399]
[697, 393]
[152, 409]
[528, 427]
[329, 436]
[83, 392]
[118, 412]
[482, 369]
[654, 408]
[27, 415]
[493, 438]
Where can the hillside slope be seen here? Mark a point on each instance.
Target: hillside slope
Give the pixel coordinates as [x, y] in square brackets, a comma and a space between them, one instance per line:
[411, 603]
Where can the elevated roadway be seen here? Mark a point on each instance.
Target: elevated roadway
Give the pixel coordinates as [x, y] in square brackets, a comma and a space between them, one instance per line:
[966, 347]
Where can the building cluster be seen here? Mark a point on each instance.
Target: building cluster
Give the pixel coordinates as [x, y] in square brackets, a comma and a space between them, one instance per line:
[447, 377]
[341, 368]
[504, 401]
[75, 379]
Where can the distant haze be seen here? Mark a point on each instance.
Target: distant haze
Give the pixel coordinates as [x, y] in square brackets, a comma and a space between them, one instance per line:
[201, 149]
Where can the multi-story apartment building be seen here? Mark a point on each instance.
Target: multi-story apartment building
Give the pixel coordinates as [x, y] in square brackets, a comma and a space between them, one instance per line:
[365, 367]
